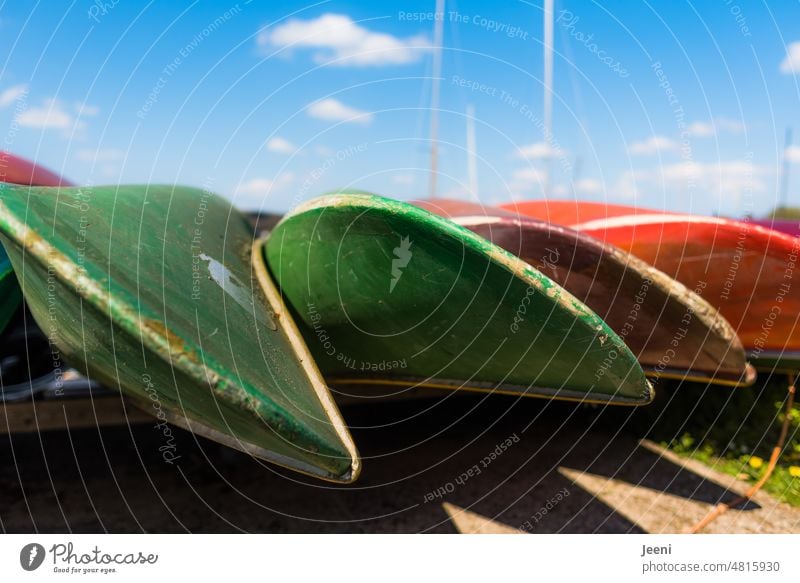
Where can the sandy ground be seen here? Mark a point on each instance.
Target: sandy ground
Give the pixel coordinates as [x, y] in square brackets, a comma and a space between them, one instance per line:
[570, 470]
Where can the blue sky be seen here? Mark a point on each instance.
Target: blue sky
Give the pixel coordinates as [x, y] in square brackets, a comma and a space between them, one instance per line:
[672, 105]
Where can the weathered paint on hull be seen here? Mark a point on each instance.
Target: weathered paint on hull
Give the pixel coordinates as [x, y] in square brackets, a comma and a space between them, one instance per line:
[390, 293]
[672, 331]
[746, 271]
[150, 290]
[16, 170]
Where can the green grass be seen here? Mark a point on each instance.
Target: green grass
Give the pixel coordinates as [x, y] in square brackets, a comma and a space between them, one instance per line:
[785, 212]
[782, 485]
[729, 429]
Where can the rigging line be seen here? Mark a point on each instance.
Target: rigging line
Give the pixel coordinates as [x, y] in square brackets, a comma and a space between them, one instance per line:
[723, 507]
[784, 191]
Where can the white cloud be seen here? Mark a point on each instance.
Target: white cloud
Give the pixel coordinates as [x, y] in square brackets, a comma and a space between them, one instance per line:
[109, 170]
[103, 155]
[86, 110]
[456, 192]
[702, 129]
[334, 110]
[792, 154]
[729, 179]
[526, 181]
[583, 186]
[705, 129]
[13, 93]
[51, 115]
[539, 150]
[589, 186]
[791, 63]
[652, 145]
[252, 193]
[343, 42]
[403, 179]
[625, 185]
[255, 186]
[281, 146]
[707, 174]
[529, 176]
[48, 116]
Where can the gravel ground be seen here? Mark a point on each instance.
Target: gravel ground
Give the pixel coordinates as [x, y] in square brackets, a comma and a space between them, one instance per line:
[567, 469]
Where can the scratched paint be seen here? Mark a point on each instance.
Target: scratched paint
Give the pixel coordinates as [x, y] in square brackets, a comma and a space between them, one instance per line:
[236, 290]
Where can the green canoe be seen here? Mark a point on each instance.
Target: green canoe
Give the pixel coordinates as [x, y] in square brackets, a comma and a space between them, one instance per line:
[390, 293]
[150, 290]
[16, 170]
[9, 291]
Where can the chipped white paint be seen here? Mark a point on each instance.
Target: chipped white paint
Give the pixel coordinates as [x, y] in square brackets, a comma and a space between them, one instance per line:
[236, 290]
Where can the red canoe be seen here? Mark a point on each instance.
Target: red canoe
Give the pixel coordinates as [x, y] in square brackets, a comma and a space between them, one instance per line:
[644, 306]
[783, 225]
[17, 170]
[748, 272]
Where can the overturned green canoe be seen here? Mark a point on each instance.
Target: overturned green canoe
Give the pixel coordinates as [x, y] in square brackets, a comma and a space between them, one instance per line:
[16, 170]
[150, 290]
[390, 293]
[9, 291]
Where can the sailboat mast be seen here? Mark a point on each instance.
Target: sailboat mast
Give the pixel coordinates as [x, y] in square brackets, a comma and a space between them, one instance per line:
[783, 195]
[438, 37]
[548, 89]
[472, 165]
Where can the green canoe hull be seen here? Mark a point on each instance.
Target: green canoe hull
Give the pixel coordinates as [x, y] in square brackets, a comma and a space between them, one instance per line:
[10, 295]
[16, 170]
[390, 293]
[150, 290]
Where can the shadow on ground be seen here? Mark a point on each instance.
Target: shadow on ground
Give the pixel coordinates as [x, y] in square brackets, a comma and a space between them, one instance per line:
[115, 479]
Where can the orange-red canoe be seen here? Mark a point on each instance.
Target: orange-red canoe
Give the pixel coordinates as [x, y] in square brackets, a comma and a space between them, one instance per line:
[748, 272]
